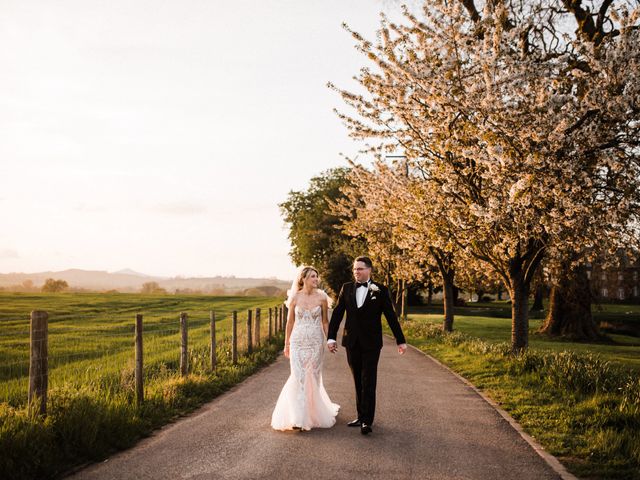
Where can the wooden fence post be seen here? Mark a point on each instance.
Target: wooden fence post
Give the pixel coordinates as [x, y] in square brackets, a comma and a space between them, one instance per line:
[38, 360]
[234, 337]
[212, 353]
[184, 354]
[139, 371]
[270, 322]
[249, 342]
[275, 320]
[278, 328]
[256, 337]
[283, 317]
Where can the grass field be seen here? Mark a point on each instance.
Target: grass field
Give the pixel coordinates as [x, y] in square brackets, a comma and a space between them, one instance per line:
[492, 323]
[581, 401]
[91, 407]
[91, 335]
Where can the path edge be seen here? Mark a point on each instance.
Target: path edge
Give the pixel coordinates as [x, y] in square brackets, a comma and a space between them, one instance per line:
[161, 430]
[552, 461]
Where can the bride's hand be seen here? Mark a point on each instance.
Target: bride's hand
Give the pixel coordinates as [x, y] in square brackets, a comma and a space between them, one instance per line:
[286, 351]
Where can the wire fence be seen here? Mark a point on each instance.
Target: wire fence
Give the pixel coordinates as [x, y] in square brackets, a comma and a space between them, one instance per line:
[99, 352]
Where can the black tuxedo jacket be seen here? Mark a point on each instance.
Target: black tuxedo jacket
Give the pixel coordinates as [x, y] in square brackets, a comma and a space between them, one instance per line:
[364, 325]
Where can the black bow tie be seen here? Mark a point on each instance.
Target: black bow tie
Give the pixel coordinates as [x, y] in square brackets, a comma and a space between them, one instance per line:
[365, 284]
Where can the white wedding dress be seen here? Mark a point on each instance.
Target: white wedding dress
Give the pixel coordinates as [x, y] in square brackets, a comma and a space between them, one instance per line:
[303, 402]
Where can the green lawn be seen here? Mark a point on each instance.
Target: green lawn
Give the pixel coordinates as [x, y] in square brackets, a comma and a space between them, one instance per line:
[91, 409]
[626, 350]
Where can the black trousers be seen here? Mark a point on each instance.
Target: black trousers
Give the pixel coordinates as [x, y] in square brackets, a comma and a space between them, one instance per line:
[364, 367]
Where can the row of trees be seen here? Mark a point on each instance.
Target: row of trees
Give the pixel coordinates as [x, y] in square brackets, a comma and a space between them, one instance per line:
[507, 147]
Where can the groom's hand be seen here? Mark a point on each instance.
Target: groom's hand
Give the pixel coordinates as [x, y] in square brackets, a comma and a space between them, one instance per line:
[332, 346]
[402, 348]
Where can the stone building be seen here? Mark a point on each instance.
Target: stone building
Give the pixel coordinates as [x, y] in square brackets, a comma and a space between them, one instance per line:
[620, 284]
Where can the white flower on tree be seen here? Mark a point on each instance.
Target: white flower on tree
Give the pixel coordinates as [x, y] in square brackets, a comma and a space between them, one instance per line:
[523, 135]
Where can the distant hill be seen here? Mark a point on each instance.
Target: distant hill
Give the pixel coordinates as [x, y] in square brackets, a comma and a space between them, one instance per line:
[128, 280]
[128, 271]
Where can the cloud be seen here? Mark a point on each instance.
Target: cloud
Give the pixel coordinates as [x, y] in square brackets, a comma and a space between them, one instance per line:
[179, 208]
[9, 253]
[84, 208]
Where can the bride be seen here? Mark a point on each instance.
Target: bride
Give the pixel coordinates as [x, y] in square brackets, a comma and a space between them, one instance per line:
[304, 403]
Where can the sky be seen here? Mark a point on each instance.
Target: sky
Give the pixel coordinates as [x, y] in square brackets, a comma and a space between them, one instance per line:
[161, 135]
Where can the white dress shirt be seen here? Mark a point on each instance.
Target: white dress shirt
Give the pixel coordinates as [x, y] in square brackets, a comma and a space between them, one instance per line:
[361, 294]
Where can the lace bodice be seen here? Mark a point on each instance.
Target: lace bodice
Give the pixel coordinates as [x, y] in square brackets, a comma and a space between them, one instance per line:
[307, 329]
[309, 315]
[303, 401]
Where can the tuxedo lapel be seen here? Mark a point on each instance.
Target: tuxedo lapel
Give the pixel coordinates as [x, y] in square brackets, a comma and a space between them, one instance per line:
[372, 291]
[353, 296]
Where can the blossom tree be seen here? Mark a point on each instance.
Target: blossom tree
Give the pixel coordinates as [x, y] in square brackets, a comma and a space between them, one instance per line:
[402, 230]
[525, 133]
[368, 209]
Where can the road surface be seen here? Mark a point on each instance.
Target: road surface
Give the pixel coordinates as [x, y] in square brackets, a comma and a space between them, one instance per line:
[429, 425]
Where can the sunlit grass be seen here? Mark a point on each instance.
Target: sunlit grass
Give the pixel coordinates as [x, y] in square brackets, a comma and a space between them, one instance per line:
[625, 350]
[91, 408]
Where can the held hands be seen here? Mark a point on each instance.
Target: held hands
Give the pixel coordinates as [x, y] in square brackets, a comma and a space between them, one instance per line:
[333, 348]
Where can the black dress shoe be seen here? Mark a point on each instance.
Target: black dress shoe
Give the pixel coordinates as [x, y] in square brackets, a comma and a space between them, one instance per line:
[354, 423]
[365, 429]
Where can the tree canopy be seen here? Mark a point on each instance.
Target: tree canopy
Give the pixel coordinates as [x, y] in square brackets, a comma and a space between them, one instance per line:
[521, 136]
[314, 228]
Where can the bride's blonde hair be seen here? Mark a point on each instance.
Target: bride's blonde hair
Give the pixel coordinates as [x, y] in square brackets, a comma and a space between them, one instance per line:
[298, 283]
[303, 275]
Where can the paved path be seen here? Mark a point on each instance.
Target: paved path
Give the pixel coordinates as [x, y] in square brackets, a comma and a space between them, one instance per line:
[429, 425]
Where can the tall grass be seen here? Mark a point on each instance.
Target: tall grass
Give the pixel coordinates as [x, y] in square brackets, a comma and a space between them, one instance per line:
[91, 407]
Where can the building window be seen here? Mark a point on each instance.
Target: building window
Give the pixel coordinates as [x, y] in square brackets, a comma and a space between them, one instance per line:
[589, 274]
[604, 277]
[635, 275]
[621, 293]
[605, 292]
[620, 276]
[635, 291]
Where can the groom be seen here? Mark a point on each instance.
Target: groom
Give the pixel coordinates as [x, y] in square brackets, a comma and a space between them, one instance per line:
[364, 301]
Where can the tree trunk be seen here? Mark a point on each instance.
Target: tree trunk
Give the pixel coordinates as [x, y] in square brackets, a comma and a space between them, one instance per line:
[430, 293]
[570, 307]
[448, 302]
[519, 292]
[447, 272]
[538, 296]
[518, 275]
[403, 311]
[499, 297]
